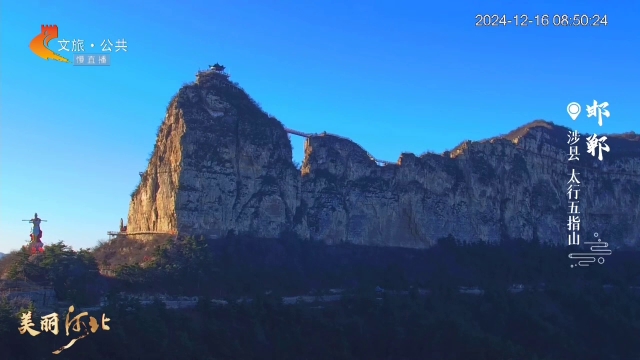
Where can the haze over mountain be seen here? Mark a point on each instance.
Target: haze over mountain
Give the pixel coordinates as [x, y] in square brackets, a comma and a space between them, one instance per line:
[221, 164]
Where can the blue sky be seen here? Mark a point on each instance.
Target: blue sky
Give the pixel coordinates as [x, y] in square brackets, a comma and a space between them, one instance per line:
[394, 76]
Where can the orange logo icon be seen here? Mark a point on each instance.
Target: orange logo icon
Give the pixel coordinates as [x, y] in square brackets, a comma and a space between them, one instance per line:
[40, 44]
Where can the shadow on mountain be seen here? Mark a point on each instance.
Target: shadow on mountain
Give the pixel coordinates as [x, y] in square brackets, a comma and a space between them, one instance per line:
[554, 317]
[243, 266]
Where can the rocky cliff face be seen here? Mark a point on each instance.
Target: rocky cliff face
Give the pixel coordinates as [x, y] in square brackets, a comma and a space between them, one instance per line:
[221, 164]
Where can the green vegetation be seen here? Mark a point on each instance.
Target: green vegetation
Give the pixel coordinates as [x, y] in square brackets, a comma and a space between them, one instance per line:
[73, 274]
[557, 321]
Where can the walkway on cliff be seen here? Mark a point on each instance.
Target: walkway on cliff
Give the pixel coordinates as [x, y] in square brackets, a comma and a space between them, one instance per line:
[113, 234]
[306, 135]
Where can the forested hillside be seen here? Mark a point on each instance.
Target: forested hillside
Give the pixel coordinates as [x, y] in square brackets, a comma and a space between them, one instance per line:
[561, 313]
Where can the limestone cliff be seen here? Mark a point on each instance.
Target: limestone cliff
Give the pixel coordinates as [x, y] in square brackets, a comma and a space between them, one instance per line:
[221, 164]
[512, 186]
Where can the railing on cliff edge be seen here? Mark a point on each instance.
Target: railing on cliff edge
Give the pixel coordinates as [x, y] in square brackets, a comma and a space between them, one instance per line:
[130, 233]
[306, 135]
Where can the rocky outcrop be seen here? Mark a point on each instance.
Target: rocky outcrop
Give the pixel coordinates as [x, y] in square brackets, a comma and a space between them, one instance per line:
[221, 164]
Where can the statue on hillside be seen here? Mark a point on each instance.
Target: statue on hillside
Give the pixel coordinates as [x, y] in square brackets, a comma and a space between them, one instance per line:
[36, 234]
[36, 231]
